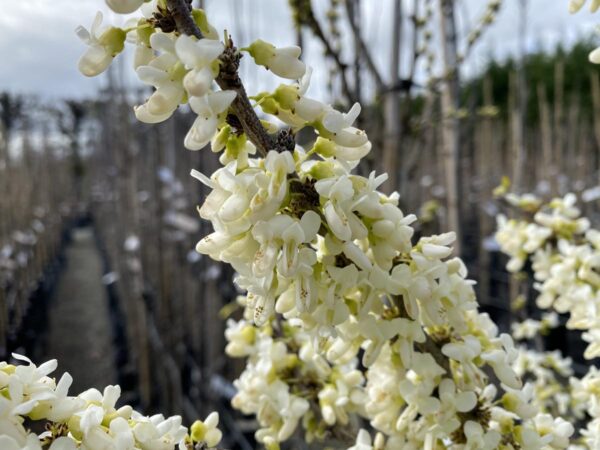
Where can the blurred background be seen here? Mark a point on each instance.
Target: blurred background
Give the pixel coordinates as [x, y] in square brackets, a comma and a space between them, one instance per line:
[97, 211]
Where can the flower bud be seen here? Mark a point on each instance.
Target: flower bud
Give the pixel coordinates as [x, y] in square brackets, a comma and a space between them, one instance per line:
[124, 6]
[283, 61]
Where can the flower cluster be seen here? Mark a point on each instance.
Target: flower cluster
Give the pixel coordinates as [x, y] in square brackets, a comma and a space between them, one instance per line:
[344, 317]
[586, 396]
[565, 256]
[564, 252]
[90, 420]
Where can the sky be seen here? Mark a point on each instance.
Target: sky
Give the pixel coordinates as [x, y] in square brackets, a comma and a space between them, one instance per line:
[39, 50]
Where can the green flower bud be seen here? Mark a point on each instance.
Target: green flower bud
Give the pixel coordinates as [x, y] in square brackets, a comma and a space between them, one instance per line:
[262, 52]
[235, 144]
[324, 147]
[321, 169]
[113, 40]
[220, 140]
[144, 31]
[286, 95]
[201, 20]
[198, 431]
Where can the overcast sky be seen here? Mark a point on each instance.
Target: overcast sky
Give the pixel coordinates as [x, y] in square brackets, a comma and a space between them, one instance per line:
[39, 50]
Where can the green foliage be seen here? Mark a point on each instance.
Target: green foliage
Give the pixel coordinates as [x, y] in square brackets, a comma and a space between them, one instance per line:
[540, 70]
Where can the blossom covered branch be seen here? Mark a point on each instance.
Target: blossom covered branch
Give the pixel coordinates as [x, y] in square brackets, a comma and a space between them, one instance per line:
[345, 318]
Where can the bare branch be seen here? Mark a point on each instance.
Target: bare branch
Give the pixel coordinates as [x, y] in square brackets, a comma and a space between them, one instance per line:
[365, 50]
[307, 17]
[180, 10]
[335, 55]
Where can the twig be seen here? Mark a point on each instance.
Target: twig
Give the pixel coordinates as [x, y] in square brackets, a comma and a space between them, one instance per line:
[307, 17]
[335, 55]
[365, 50]
[228, 79]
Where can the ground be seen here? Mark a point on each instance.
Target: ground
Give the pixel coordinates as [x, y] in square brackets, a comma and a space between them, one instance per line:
[79, 333]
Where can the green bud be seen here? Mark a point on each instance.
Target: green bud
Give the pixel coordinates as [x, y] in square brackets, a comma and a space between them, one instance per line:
[9, 369]
[200, 18]
[272, 445]
[220, 140]
[178, 71]
[215, 67]
[198, 431]
[40, 411]
[113, 40]
[270, 106]
[321, 169]
[262, 52]
[321, 130]
[286, 95]
[74, 427]
[5, 393]
[324, 147]
[144, 31]
[249, 334]
[235, 144]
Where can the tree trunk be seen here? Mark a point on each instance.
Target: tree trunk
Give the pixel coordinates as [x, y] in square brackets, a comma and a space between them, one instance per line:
[392, 125]
[450, 125]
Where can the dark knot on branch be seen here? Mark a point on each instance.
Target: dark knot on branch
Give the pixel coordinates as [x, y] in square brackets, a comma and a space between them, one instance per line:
[285, 141]
[230, 63]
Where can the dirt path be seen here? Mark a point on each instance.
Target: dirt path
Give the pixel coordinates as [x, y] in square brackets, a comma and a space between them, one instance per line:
[79, 334]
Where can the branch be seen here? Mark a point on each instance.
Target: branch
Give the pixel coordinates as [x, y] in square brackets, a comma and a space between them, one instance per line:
[334, 54]
[228, 79]
[307, 18]
[180, 11]
[365, 50]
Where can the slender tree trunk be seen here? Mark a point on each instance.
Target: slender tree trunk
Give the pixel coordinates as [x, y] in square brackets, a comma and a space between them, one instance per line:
[595, 80]
[546, 133]
[484, 154]
[450, 125]
[392, 104]
[519, 110]
[559, 75]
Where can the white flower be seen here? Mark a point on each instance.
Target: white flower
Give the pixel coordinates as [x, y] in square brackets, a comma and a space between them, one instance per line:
[363, 441]
[104, 45]
[283, 61]
[207, 107]
[241, 337]
[339, 127]
[156, 432]
[124, 6]
[198, 55]
[339, 194]
[559, 429]
[206, 431]
[161, 73]
[477, 438]
[501, 361]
